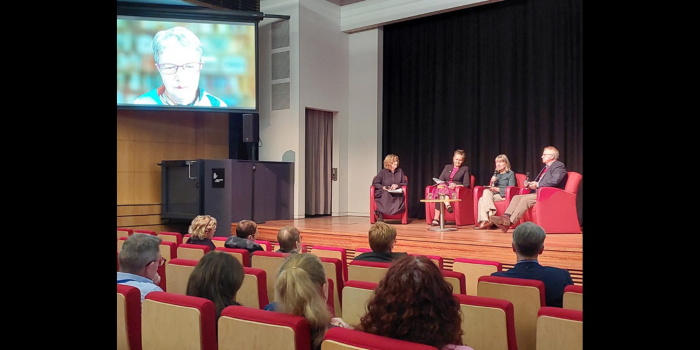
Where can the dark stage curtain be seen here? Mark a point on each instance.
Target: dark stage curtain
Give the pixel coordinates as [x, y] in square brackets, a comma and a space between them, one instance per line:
[499, 78]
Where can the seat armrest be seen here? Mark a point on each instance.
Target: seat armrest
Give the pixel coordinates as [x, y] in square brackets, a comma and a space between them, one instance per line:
[545, 193]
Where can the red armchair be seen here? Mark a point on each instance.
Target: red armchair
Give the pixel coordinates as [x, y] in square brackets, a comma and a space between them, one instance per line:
[555, 210]
[403, 216]
[501, 205]
[463, 212]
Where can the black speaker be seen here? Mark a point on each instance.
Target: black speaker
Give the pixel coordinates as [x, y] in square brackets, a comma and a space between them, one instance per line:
[250, 128]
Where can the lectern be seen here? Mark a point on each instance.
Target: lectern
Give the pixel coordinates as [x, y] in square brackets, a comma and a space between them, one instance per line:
[228, 189]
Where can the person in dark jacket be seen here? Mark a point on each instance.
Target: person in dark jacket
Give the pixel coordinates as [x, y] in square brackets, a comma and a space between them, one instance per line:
[246, 232]
[528, 243]
[382, 238]
[201, 231]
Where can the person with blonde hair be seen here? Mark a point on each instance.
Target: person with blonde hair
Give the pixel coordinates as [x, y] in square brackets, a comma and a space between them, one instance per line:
[390, 178]
[452, 175]
[302, 290]
[553, 174]
[496, 192]
[382, 238]
[201, 231]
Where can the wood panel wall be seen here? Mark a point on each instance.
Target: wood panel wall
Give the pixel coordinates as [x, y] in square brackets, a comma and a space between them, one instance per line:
[144, 139]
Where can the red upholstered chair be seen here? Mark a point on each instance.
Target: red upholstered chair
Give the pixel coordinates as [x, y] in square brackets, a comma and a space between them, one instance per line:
[334, 272]
[178, 274]
[148, 232]
[559, 329]
[168, 250]
[249, 328]
[356, 294]
[457, 280]
[361, 250]
[403, 216]
[253, 292]
[500, 205]
[192, 251]
[463, 212]
[219, 241]
[128, 317]
[573, 297]
[171, 236]
[473, 269]
[265, 244]
[555, 209]
[270, 262]
[333, 252]
[339, 338]
[527, 297]
[243, 255]
[368, 271]
[120, 243]
[487, 323]
[438, 260]
[124, 232]
[174, 321]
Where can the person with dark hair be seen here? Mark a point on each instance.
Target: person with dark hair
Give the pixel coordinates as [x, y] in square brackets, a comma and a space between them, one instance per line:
[302, 290]
[452, 175]
[553, 174]
[201, 231]
[246, 232]
[414, 302]
[139, 259]
[390, 178]
[218, 276]
[289, 240]
[382, 238]
[528, 243]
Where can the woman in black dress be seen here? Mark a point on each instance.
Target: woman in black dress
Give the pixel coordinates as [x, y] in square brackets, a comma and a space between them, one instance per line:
[389, 178]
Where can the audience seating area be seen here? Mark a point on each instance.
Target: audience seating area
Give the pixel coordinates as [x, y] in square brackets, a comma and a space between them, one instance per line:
[499, 313]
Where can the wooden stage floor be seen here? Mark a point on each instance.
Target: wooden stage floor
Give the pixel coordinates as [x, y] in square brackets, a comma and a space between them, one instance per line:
[561, 250]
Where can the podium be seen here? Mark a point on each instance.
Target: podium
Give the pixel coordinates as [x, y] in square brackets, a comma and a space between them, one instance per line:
[228, 189]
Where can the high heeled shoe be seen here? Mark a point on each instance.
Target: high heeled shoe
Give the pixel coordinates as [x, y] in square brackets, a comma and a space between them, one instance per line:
[449, 208]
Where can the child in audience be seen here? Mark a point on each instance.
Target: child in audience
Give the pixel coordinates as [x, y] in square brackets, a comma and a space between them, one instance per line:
[302, 290]
[414, 303]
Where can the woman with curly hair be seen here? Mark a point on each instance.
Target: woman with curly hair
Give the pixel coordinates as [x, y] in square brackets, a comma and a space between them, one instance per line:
[414, 303]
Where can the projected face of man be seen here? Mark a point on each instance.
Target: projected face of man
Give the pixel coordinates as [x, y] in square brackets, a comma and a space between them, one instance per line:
[181, 86]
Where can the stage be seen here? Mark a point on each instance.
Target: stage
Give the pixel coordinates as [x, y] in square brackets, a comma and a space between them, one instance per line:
[350, 232]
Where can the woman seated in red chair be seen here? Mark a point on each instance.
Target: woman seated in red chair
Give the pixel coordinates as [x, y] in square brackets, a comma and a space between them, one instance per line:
[502, 178]
[389, 179]
[452, 175]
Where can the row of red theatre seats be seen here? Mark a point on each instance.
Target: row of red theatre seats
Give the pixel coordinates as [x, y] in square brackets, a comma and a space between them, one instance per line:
[505, 322]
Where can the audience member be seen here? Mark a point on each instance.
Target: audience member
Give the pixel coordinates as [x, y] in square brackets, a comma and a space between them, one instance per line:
[452, 175]
[382, 238]
[218, 276]
[138, 263]
[390, 178]
[502, 178]
[289, 240]
[201, 231]
[302, 289]
[246, 232]
[553, 174]
[413, 302]
[528, 243]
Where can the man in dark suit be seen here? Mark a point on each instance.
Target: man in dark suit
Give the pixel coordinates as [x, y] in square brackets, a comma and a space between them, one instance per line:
[528, 243]
[382, 238]
[553, 174]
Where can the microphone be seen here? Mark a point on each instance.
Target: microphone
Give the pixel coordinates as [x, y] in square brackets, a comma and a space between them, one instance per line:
[495, 173]
[527, 178]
